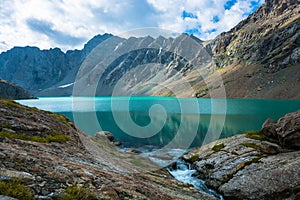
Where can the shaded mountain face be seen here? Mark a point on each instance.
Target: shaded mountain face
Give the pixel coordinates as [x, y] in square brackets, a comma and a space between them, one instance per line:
[12, 91]
[109, 65]
[259, 58]
[36, 70]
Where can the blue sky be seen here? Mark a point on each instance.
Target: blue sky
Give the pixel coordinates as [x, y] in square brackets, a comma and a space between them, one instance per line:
[68, 24]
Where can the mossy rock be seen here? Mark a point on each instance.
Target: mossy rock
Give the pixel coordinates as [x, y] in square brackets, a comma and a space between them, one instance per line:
[194, 158]
[251, 145]
[218, 147]
[256, 135]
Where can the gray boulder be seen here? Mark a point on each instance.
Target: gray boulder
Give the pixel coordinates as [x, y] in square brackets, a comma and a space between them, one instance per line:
[105, 135]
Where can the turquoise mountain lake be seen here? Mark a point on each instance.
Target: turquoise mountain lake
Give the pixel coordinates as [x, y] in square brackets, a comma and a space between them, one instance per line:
[158, 121]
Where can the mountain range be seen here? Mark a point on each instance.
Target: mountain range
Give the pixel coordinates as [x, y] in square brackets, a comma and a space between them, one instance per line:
[258, 58]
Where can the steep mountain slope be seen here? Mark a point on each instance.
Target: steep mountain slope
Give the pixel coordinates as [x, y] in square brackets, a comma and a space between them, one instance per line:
[270, 37]
[12, 91]
[260, 56]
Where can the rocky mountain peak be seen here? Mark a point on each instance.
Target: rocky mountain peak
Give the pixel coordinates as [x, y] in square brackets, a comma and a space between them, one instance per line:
[92, 43]
[278, 6]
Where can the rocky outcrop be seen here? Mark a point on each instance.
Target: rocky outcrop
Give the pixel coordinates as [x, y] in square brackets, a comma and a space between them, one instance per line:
[250, 166]
[286, 131]
[12, 91]
[44, 156]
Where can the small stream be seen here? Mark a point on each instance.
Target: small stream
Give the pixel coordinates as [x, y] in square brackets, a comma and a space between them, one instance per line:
[183, 172]
[180, 170]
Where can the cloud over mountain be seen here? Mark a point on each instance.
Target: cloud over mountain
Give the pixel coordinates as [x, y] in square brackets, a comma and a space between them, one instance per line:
[68, 24]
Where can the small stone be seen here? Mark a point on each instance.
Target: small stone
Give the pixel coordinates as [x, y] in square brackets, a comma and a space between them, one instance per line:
[135, 151]
[6, 198]
[15, 174]
[259, 88]
[8, 130]
[86, 172]
[105, 134]
[42, 184]
[269, 148]
[117, 143]
[63, 170]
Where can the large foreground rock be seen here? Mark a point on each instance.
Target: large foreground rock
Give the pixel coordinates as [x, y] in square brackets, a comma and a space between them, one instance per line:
[52, 155]
[249, 166]
[286, 131]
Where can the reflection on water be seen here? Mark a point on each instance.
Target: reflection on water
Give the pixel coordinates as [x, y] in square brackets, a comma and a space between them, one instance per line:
[234, 124]
[179, 115]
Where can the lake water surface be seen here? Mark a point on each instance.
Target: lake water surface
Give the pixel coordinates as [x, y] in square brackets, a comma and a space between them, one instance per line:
[158, 121]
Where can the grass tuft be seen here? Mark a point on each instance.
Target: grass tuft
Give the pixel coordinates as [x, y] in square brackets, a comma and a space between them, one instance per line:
[15, 189]
[54, 136]
[10, 103]
[60, 118]
[79, 193]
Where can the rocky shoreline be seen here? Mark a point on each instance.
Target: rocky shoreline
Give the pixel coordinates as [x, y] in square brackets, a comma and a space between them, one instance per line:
[254, 165]
[43, 157]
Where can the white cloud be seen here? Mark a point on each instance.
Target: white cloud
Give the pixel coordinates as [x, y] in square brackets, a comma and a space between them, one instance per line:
[48, 23]
[205, 10]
